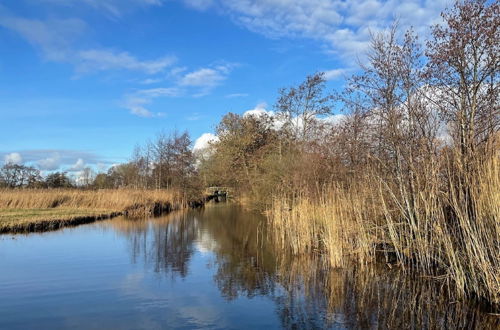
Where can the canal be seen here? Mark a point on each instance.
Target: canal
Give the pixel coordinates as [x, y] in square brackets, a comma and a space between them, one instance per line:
[213, 268]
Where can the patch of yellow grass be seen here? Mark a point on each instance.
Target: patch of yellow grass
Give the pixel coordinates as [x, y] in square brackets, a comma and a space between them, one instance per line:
[111, 199]
[12, 216]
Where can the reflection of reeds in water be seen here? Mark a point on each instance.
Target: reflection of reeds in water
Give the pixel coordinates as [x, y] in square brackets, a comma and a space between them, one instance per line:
[371, 299]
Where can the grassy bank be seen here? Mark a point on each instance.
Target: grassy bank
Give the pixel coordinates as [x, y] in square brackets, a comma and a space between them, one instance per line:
[28, 210]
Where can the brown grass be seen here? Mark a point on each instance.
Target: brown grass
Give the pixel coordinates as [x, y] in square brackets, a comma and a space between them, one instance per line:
[37, 209]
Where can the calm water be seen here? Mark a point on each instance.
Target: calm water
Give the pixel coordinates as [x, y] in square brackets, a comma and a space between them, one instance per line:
[212, 268]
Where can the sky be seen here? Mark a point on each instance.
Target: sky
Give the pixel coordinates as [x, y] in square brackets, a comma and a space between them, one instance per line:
[84, 81]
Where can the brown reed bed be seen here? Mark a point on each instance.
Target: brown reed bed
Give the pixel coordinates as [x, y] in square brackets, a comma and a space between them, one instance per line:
[443, 229]
[27, 210]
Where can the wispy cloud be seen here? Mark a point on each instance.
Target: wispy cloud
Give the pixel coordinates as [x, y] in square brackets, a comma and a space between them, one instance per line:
[52, 38]
[103, 60]
[236, 95]
[151, 81]
[195, 83]
[56, 40]
[202, 78]
[343, 26]
[136, 103]
[114, 8]
[206, 79]
[199, 4]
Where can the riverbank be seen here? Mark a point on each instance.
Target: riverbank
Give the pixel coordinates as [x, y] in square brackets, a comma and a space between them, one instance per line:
[35, 210]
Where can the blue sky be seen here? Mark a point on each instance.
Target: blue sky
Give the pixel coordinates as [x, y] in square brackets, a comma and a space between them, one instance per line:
[83, 81]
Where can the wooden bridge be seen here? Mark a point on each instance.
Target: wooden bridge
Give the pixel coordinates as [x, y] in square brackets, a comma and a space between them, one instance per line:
[218, 194]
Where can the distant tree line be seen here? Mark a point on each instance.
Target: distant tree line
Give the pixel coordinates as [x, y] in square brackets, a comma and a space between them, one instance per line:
[22, 176]
[164, 163]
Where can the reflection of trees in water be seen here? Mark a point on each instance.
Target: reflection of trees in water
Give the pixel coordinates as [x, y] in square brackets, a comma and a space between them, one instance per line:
[245, 265]
[306, 293]
[166, 243]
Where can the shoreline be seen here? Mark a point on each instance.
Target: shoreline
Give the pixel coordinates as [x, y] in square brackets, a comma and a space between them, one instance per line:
[39, 226]
[26, 211]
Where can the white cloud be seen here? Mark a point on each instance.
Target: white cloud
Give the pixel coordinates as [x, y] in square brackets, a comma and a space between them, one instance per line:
[56, 159]
[259, 110]
[202, 78]
[50, 163]
[101, 167]
[136, 107]
[206, 79]
[342, 25]
[334, 74]
[78, 166]
[204, 140]
[201, 82]
[175, 72]
[13, 158]
[334, 119]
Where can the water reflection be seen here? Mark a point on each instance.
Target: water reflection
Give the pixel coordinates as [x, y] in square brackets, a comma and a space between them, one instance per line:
[306, 293]
[165, 244]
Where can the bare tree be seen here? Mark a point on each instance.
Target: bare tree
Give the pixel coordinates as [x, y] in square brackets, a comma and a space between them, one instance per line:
[464, 68]
[299, 107]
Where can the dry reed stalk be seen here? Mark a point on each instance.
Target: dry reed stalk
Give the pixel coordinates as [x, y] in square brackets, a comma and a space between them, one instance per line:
[334, 223]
